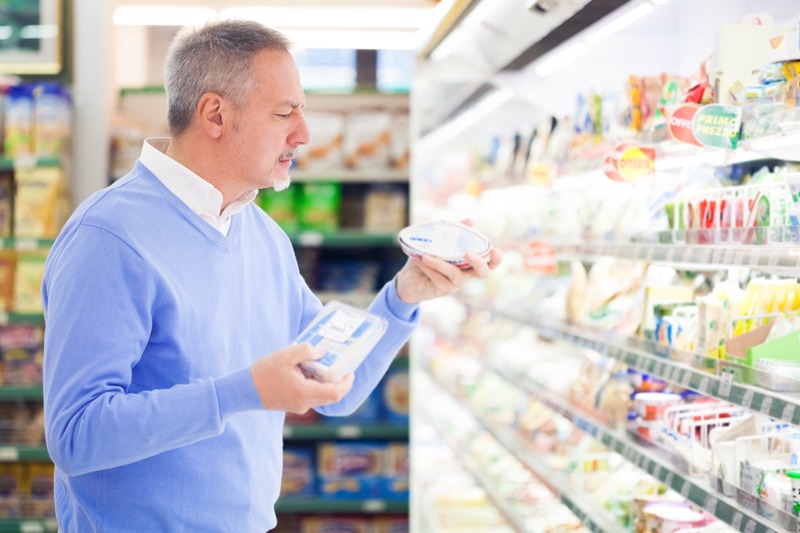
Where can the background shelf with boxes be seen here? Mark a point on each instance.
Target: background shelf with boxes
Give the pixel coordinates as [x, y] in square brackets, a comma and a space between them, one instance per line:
[336, 467]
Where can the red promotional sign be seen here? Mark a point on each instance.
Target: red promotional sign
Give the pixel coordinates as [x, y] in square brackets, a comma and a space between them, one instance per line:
[629, 162]
[679, 123]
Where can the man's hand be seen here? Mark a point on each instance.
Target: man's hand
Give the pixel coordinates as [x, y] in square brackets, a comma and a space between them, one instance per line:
[424, 278]
[283, 387]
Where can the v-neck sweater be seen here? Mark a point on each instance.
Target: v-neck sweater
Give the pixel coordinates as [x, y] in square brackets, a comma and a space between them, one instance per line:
[153, 318]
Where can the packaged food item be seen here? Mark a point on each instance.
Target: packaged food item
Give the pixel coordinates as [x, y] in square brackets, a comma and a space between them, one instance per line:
[325, 150]
[8, 265]
[12, 481]
[41, 202]
[281, 207]
[39, 482]
[28, 282]
[19, 121]
[385, 208]
[335, 524]
[366, 139]
[397, 471]
[298, 473]
[651, 405]
[351, 470]
[346, 334]
[319, 206]
[400, 141]
[396, 394]
[51, 119]
[6, 185]
[446, 240]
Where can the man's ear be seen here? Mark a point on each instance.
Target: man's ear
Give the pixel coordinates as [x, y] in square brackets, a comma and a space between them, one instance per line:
[210, 113]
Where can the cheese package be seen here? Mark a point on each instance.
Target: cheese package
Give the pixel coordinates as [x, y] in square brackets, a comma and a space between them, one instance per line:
[346, 334]
[446, 240]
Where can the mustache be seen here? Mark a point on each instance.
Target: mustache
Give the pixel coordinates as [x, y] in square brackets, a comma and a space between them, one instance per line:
[289, 155]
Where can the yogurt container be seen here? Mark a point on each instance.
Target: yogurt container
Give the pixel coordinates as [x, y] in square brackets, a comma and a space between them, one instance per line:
[449, 241]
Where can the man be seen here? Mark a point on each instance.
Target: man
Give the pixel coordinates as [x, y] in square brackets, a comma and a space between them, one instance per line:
[165, 292]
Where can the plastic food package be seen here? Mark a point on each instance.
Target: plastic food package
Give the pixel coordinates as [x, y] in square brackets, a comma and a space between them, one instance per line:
[446, 240]
[346, 334]
[325, 150]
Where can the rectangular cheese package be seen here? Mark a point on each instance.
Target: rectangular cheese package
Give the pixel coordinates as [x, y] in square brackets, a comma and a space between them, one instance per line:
[346, 334]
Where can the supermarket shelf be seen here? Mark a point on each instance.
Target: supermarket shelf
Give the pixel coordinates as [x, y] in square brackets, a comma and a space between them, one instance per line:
[652, 461]
[705, 256]
[352, 176]
[515, 521]
[7, 163]
[351, 238]
[322, 505]
[10, 453]
[21, 392]
[588, 513]
[657, 360]
[28, 525]
[25, 243]
[345, 431]
[12, 317]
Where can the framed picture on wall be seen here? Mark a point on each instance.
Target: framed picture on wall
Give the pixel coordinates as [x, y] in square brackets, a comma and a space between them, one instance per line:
[30, 36]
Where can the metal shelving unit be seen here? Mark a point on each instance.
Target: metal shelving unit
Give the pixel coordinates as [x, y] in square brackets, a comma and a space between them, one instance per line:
[345, 431]
[352, 176]
[21, 392]
[324, 506]
[351, 238]
[655, 359]
[582, 506]
[28, 525]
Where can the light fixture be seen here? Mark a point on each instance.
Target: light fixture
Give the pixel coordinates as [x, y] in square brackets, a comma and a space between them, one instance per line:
[39, 31]
[560, 58]
[352, 39]
[447, 46]
[6, 32]
[479, 13]
[142, 15]
[375, 18]
[465, 120]
[613, 26]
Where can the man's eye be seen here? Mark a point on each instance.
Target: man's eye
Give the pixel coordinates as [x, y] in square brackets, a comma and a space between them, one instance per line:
[287, 115]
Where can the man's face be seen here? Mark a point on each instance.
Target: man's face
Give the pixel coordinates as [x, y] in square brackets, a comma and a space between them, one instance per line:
[270, 125]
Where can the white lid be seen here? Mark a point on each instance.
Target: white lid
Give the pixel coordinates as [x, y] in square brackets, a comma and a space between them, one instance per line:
[446, 240]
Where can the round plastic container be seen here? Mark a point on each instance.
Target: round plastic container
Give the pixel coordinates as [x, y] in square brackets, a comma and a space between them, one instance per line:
[449, 241]
[651, 405]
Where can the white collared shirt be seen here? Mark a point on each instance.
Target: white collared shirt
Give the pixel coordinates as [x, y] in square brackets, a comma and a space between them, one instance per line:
[201, 197]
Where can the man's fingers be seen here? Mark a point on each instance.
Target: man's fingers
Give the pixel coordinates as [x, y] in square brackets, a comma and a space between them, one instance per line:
[479, 267]
[451, 272]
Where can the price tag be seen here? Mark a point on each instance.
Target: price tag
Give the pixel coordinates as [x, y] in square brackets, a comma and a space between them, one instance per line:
[686, 254]
[673, 374]
[686, 488]
[374, 506]
[287, 432]
[26, 244]
[659, 371]
[704, 383]
[766, 404]
[9, 453]
[717, 256]
[31, 527]
[349, 431]
[640, 362]
[788, 413]
[649, 253]
[657, 472]
[725, 383]
[642, 460]
[705, 255]
[669, 480]
[737, 520]
[710, 504]
[670, 254]
[739, 257]
[750, 527]
[310, 238]
[686, 379]
[748, 399]
[774, 256]
[727, 257]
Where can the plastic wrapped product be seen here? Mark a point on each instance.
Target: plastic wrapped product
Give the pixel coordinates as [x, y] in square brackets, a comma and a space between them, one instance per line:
[346, 334]
[449, 241]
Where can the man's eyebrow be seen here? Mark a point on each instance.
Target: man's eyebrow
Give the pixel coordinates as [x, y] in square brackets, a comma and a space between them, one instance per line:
[291, 103]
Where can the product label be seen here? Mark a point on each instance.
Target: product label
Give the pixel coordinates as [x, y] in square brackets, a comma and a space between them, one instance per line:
[679, 123]
[629, 162]
[717, 126]
[341, 326]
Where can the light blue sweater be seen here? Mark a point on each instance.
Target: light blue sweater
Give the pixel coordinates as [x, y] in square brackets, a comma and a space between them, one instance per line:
[152, 320]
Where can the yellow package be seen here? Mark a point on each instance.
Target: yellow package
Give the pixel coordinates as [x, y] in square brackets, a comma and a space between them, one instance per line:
[12, 482]
[40, 202]
[39, 489]
[28, 282]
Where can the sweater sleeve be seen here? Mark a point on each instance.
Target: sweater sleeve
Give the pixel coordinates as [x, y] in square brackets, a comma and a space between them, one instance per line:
[402, 319]
[98, 296]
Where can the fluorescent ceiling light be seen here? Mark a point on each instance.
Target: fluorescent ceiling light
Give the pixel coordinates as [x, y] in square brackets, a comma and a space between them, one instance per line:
[480, 12]
[607, 30]
[5, 32]
[465, 120]
[331, 17]
[560, 58]
[162, 16]
[432, 22]
[354, 39]
[447, 46]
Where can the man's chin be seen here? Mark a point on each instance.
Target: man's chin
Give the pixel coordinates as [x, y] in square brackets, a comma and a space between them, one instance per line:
[281, 183]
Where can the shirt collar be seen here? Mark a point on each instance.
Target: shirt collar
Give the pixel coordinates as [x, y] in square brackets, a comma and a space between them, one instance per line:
[201, 197]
